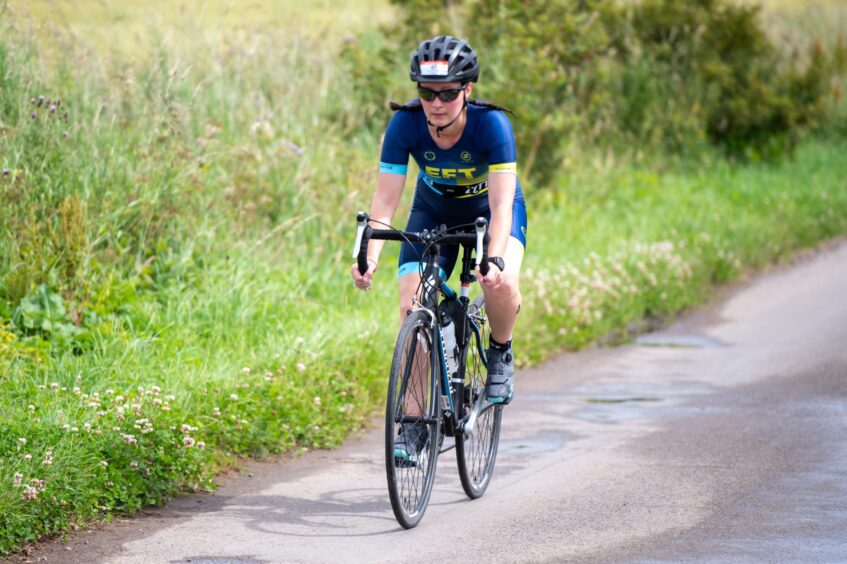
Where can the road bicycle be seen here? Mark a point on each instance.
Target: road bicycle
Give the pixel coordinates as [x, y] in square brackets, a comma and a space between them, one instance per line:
[437, 381]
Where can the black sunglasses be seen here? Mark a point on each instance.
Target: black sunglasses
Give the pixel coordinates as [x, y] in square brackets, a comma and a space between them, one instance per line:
[444, 95]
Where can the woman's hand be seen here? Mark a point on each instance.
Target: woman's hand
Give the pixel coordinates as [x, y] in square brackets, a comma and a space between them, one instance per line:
[363, 281]
[493, 279]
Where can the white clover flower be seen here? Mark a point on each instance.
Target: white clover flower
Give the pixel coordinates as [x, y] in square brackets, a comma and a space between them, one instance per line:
[110, 392]
[77, 391]
[103, 463]
[246, 370]
[201, 444]
[17, 479]
[233, 397]
[317, 400]
[166, 407]
[156, 390]
[22, 441]
[299, 341]
[187, 442]
[27, 456]
[31, 408]
[301, 367]
[66, 427]
[133, 464]
[54, 386]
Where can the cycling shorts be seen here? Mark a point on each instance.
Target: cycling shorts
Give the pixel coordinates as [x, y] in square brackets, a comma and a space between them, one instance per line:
[425, 215]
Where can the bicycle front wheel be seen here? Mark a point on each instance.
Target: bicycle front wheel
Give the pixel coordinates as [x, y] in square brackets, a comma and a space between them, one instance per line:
[476, 450]
[412, 420]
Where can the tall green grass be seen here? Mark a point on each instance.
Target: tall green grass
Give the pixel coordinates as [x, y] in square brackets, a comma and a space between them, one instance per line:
[174, 287]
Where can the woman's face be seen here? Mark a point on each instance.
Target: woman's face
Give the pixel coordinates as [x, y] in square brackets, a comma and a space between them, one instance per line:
[439, 112]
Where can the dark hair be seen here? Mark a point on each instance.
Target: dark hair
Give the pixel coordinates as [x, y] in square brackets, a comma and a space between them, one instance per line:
[416, 105]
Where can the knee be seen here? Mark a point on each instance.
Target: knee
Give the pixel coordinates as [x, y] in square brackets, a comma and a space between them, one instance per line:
[509, 285]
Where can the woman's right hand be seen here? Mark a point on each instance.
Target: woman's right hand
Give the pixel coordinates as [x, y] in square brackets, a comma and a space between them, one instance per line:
[363, 281]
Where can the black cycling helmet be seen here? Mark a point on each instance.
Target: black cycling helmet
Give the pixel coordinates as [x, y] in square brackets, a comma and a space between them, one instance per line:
[444, 59]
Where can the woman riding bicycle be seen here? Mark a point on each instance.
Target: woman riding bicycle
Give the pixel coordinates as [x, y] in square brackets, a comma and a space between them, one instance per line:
[465, 150]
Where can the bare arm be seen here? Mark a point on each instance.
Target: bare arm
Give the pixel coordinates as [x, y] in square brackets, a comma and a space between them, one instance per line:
[389, 188]
[501, 197]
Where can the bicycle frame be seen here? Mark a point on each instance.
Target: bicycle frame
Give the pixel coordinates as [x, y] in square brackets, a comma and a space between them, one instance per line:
[455, 422]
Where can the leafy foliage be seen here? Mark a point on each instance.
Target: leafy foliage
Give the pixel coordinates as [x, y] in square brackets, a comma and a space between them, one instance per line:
[664, 76]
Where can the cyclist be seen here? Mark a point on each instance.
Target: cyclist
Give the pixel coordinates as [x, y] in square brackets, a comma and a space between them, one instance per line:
[465, 150]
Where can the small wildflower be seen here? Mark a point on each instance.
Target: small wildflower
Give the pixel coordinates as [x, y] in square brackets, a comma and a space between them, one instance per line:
[246, 370]
[233, 397]
[54, 386]
[216, 411]
[33, 115]
[110, 392]
[187, 442]
[185, 428]
[299, 341]
[301, 367]
[17, 480]
[103, 463]
[40, 100]
[6, 172]
[76, 390]
[201, 444]
[166, 407]
[22, 441]
[30, 493]
[74, 429]
[156, 390]
[66, 427]
[31, 408]
[48, 458]
[317, 400]
[133, 464]
[27, 456]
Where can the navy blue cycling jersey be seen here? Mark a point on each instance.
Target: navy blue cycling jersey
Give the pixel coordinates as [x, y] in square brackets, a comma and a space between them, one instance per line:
[487, 145]
[452, 184]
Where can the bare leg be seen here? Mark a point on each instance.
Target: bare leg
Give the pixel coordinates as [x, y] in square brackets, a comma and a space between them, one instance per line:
[414, 401]
[503, 303]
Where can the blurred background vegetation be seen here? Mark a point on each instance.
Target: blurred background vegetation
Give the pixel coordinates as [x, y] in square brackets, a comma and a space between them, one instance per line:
[179, 181]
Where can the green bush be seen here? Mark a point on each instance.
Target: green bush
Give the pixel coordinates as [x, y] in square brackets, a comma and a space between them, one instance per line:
[663, 76]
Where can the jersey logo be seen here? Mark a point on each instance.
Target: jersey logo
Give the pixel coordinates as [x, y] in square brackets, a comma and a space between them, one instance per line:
[429, 155]
[465, 156]
[449, 173]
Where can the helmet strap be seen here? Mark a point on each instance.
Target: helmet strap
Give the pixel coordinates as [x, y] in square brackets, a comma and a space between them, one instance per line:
[440, 128]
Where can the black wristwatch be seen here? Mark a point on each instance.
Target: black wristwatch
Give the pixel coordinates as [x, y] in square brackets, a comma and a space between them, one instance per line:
[498, 262]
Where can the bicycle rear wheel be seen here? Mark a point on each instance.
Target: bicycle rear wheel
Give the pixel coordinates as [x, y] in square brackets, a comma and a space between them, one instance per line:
[412, 421]
[476, 451]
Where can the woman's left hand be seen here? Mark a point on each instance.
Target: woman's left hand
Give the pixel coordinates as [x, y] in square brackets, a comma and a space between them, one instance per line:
[492, 280]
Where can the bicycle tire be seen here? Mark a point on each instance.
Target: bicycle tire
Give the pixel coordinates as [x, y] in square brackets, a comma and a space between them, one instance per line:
[412, 402]
[477, 452]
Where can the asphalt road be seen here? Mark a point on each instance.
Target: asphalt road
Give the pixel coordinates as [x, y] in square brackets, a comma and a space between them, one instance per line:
[720, 439]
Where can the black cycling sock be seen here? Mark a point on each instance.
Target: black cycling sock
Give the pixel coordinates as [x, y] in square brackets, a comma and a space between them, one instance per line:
[499, 346]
